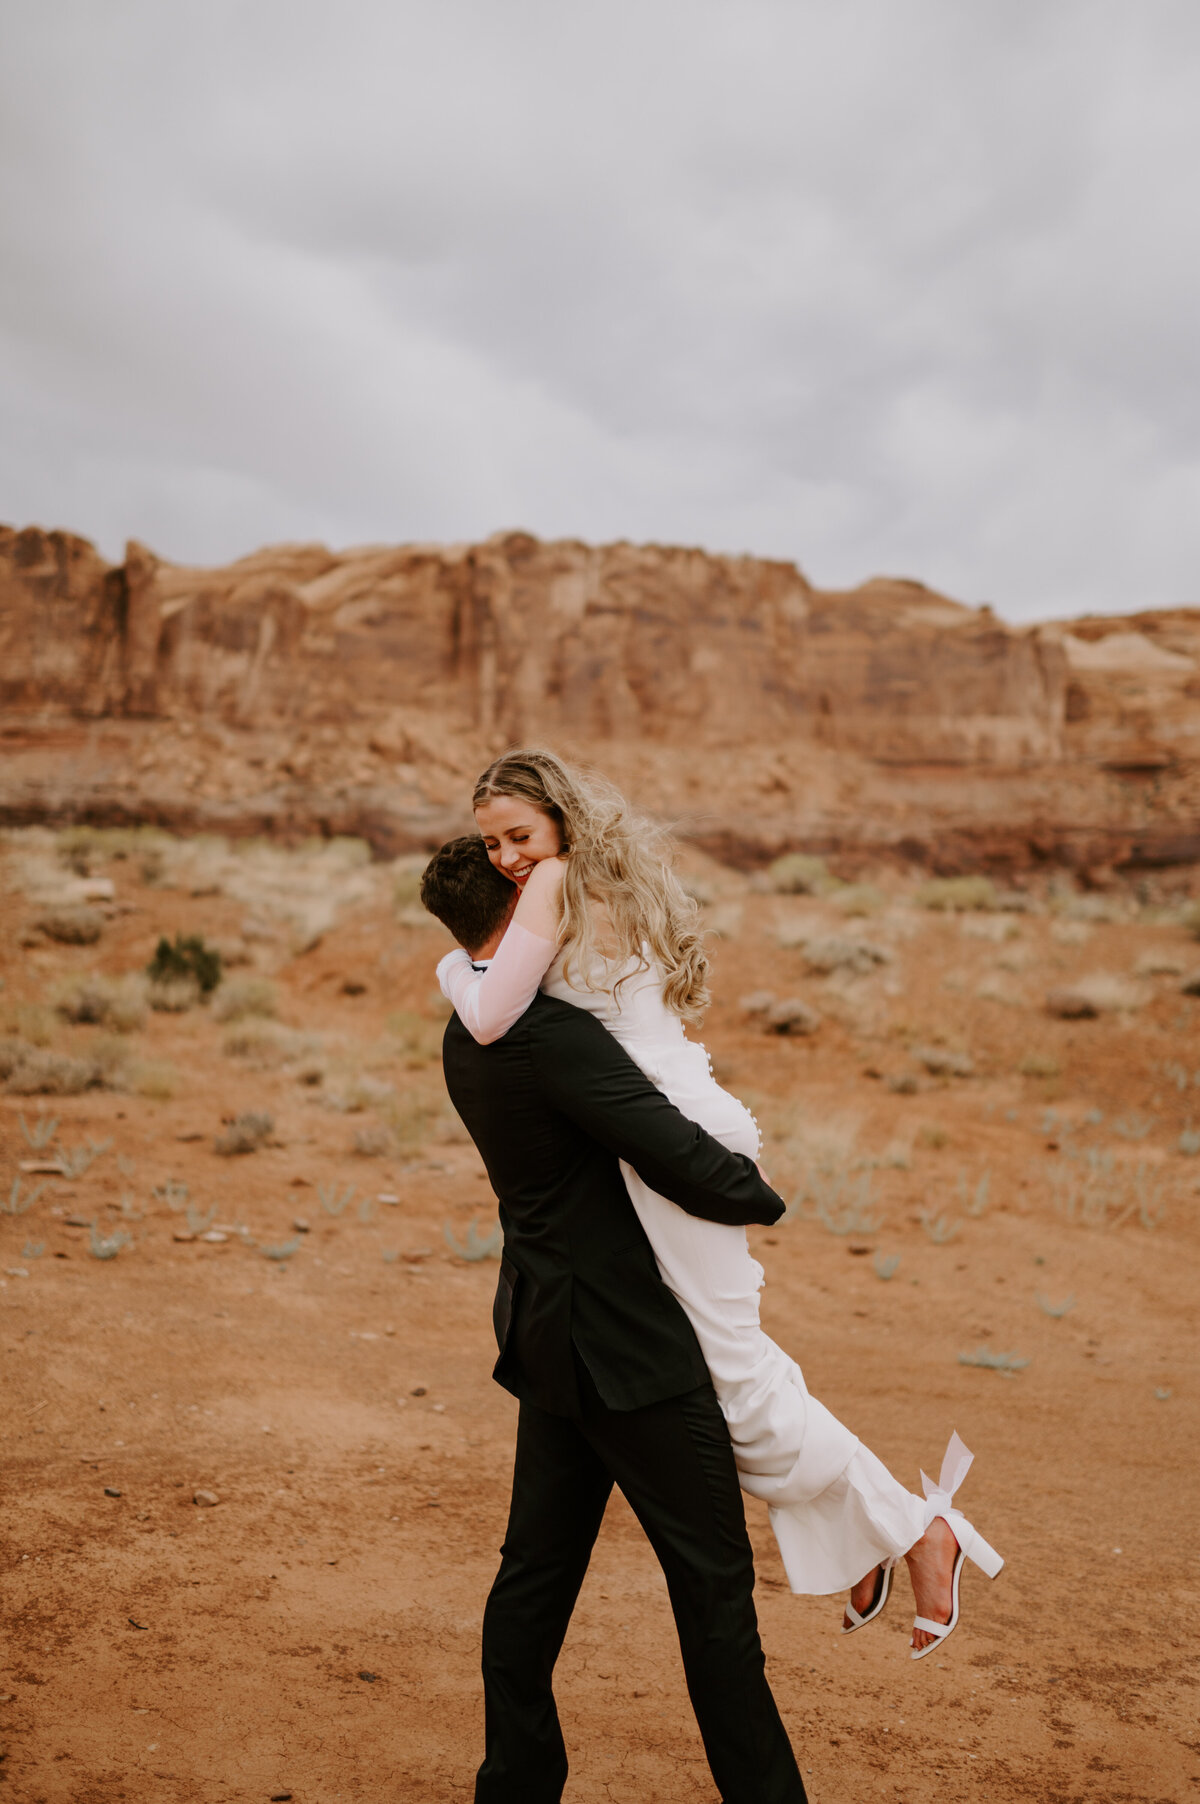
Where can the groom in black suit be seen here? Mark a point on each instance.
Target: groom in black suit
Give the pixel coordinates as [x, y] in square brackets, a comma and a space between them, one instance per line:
[612, 1384]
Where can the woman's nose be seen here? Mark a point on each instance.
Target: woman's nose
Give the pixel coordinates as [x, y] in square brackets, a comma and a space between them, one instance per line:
[510, 856]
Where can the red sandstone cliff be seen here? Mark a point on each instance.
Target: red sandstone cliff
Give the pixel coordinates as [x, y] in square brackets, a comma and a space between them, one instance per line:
[300, 688]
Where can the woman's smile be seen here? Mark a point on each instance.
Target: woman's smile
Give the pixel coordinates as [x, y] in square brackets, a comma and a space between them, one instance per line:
[518, 835]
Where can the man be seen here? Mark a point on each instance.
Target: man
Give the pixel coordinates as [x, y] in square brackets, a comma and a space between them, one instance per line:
[611, 1381]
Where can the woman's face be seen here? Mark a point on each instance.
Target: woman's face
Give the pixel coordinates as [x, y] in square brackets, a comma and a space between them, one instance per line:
[517, 835]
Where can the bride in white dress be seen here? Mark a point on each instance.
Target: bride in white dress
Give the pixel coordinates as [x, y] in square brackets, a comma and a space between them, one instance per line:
[602, 924]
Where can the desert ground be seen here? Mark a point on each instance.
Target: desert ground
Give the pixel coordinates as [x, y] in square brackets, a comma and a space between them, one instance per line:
[256, 1468]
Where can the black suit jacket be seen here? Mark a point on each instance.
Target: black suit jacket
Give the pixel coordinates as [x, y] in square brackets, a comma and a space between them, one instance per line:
[552, 1107]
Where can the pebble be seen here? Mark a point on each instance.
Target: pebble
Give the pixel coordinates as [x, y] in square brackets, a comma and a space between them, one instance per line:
[215, 1236]
[301, 1226]
[280, 1797]
[206, 1499]
[370, 1677]
[109, 1491]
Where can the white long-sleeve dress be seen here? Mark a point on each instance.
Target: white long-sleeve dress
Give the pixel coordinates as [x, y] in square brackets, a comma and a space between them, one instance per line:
[835, 1508]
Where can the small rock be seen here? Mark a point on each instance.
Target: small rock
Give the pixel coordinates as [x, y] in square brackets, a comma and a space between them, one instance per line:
[370, 1677]
[110, 1491]
[417, 1255]
[1070, 1005]
[280, 1797]
[1191, 985]
[419, 1390]
[215, 1237]
[206, 1499]
[181, 1234]
[791, 1017]
[386, 1196]
[301, 1226]
[77, 1221]
[353, 987]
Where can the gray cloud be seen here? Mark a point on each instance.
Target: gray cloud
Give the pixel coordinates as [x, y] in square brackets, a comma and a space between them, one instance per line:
[878, 286]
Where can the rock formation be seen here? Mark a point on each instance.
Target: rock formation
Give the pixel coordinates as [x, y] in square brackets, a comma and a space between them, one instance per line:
[300, 689]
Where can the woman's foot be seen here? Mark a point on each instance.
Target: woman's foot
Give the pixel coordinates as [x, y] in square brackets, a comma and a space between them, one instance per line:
[931, 1569]
[864, 1598]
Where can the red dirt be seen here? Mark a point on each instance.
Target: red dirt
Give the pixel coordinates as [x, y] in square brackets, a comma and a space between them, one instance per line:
[339, 1404]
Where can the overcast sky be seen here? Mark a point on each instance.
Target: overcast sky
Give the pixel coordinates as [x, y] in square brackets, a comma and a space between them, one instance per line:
[898, 286]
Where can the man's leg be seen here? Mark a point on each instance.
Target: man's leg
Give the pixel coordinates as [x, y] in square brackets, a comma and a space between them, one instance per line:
[674, 1463]
[560, 1488]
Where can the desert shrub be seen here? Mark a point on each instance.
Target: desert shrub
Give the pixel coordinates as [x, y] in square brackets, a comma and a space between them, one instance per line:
[956, 894]
[31, 1021]
[372, 1142]
[1039, 1064]
[245, 1134]
[80, 926]
[155, 1079]
[1189, 917]
[38, 1071]
[173, 995]
[801, 874]
[267, 1044]
[245, 996]
[1109, 992]
[406, 888]
[97, 1001]
[185, 958]
[859, 899]
[942, 1061]
[417, 1039]
[834, 954]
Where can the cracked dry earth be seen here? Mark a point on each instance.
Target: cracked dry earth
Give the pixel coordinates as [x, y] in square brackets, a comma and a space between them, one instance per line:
[315, 1631]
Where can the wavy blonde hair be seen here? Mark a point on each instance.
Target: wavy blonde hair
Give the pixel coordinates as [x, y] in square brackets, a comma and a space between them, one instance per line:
[617, 858]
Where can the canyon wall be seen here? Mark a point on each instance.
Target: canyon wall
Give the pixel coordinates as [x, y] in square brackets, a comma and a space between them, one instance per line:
[302, 689]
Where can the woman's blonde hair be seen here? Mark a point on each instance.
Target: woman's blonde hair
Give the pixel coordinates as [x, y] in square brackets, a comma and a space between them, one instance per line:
[615, 858]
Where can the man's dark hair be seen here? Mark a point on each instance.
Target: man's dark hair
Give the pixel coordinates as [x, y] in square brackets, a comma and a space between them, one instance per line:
[466, 892]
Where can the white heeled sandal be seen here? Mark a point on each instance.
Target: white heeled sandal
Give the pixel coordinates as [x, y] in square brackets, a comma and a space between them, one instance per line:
[939, 1501]
[883, 1587]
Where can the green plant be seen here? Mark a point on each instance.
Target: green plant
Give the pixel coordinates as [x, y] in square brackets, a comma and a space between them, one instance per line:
[1057, 1310]
[478, 1246]
[886, 1268]
[41, 1133]
[199, 1220]
[366, 1210]
[1189, 1142]
[1091, 1190]
[841, 1207]
[1132, 1126]
[107, 1247]
[974, 1203]
[173, 1193]
[1007, 1364]
[331, 1202]
[185, 957]
[74, 1164]
[284, 1250]
[15, 1205]
[939, 1229]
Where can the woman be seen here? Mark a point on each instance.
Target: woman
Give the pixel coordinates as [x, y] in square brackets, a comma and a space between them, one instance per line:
[602, 923]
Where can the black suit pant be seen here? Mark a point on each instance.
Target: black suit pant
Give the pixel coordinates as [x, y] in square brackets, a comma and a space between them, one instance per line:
[674, 1464]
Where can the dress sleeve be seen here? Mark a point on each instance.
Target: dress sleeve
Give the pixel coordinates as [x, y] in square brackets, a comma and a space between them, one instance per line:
[489, 1002]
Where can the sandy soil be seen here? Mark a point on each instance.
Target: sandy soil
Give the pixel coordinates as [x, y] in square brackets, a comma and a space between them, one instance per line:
[315, 1632]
